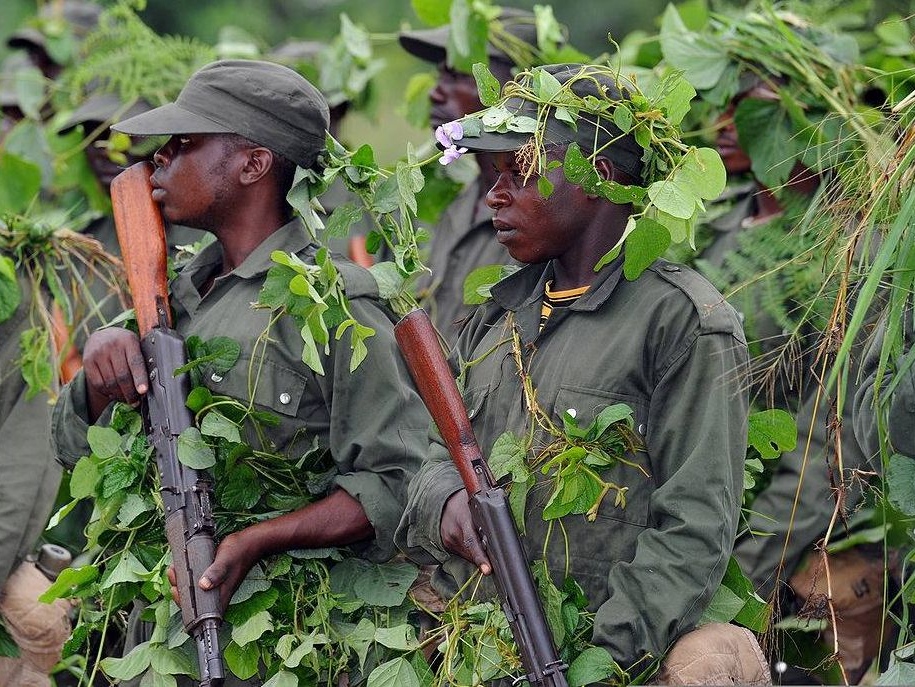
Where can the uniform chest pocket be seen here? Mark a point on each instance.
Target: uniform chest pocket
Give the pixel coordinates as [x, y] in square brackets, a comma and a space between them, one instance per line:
[278, 388]
[633, 471]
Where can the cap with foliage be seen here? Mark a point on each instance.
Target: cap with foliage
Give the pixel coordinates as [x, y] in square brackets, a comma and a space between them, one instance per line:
[676, 178]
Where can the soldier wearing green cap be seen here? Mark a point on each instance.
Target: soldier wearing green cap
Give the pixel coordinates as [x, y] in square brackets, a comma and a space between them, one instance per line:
[238, 129]
[666, 344]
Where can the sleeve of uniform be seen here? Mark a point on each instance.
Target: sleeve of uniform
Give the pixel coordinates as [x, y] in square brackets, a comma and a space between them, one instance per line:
[378, 425]
[696, 439]
[70, 422]
[901, 415]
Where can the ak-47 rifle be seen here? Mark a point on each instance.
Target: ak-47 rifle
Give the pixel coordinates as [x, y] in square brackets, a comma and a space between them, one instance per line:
[186, 493]
[492, 518]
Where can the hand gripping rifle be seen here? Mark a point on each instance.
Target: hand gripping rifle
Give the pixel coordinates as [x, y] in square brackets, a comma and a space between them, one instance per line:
[186, 493]
[489, 508]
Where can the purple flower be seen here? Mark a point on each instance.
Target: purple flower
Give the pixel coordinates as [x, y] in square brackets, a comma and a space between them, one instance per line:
[451, 154]
[448, 133]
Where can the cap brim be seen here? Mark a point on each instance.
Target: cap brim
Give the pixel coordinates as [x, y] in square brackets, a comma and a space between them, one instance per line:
[491, 142]
[430, 45]
[169, 120]
[26, 38]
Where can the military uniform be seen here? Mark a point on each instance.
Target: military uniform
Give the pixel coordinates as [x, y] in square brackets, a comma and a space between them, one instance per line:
[29, 477]
[668, 346]
[462, 240]
[900, 421]
[371, 419]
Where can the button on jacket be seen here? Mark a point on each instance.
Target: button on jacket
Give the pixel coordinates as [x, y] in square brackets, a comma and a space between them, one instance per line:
[668, 346]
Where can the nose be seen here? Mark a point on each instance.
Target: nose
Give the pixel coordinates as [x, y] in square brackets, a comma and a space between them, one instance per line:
[163, 154]
[437, 95]
[498, 196]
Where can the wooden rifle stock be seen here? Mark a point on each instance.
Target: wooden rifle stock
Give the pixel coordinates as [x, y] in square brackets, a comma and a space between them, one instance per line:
[419, 345]
[489, 509]
[186, 493]
[141, 233]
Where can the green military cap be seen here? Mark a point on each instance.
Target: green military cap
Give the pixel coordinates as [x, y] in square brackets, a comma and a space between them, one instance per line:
[431, 45]
[591, 132]
[79, 16]
[103, 108]
[264, 102]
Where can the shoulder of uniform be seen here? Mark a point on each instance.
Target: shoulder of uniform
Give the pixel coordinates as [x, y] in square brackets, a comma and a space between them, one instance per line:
[357, 281]
[714, 312]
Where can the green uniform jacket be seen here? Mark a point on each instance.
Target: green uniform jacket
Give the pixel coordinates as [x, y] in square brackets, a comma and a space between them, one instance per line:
[668, 346]
[29, 476]
[462, 240]
[900, 420]
[372, 420]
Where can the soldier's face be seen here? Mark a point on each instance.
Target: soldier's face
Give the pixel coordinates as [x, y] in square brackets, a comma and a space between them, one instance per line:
[531, 227]
[192, 180]
[455, 95]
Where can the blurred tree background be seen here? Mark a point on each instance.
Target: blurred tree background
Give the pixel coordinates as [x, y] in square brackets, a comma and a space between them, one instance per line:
[273, 21]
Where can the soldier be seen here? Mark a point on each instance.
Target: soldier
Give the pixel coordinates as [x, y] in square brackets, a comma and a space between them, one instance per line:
[666, 344]
[462, 239]
[237, 131]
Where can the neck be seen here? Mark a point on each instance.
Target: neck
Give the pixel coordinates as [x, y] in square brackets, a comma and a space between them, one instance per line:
[576, 267]
[801, 182]
[250, 226]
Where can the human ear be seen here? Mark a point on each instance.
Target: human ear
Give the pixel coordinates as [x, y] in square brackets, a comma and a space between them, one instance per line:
[258, 162]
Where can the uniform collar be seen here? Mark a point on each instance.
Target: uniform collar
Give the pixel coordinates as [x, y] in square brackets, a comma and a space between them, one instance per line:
[526, 286]
[292, 237]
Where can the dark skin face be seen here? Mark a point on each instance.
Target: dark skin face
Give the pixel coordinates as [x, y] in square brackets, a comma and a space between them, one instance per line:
[455, 95]
[103, 167]
[571, 227]
[192, 183]
[735, 159]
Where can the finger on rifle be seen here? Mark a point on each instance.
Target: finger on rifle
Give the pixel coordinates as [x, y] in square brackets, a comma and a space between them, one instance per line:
[173, 581]
[473, 551]
[137, 367]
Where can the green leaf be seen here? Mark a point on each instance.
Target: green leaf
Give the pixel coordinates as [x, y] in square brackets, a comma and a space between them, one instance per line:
[771, 432]
[544, 186]
[193, 451]
[644, 245]
[85, 477]
[103, 441]
[10, 293]
[360, 638]
[133, 507]
[765, 133]
[239, 613]
[239, 489]
[242, 660]
[223, 352]
[295, 657]
[282, 679]
[130, 665]
[610, 415]
[478, 283]
[723, 607]
[341, 219]
[70, 582]
[20, 182]
[703, 172]
[128, 569]
[395, 673]
[357, 41]
[900, 476]
[215, 424]
[573, 493]
[167, 661]
[701, 60]
[386, 584]
[594, 664]
[400, 637]
[117, 476]
[199, 398]
[899, 673]
[253, 628]
[508, 456]
[432, 12]
[488, 86]
[387, 276]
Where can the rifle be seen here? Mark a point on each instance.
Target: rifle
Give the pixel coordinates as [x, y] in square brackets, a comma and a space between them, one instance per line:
[492, 518]
[186, 493]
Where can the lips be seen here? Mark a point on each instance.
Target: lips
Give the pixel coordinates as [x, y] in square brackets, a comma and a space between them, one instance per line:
[503, 231]
[158, 193]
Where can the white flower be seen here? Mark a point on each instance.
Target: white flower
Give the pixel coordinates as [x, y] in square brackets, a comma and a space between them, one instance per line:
[448, 133]
[451, 154]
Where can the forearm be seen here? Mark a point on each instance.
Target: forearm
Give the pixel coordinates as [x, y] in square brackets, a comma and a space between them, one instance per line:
[336, 520]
